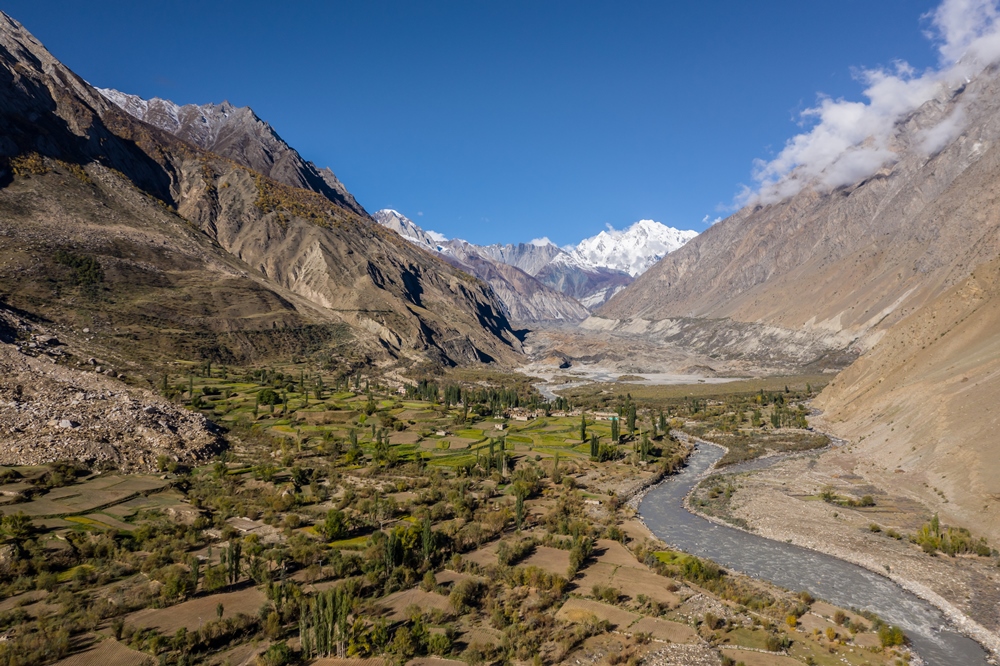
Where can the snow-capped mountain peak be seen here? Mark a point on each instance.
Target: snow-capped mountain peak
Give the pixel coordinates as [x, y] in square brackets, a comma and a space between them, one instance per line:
[631, 250]
[590, 272]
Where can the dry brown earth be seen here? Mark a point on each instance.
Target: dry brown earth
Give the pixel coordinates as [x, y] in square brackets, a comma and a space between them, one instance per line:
[923, 407]
[196, 612]
[108, 653]
[781, 503]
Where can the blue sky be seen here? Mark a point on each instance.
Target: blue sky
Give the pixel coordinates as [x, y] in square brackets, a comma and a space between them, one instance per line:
[504, 121]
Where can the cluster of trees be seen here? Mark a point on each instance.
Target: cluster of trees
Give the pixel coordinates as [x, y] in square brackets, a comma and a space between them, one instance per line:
[786, 417]
[87, 271]
[932, 537]
[324, 630]
[424, 390]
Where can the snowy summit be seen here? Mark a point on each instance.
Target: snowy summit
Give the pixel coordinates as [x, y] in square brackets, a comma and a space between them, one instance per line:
[631, 250]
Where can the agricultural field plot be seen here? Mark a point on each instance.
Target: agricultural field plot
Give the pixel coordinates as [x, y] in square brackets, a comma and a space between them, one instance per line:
[397, 603]
[194, 613]
[484, 556]
[582, 610]
[613, 552]
[89, 495]
[552, 560]
[109, 652]
[597, 573]
[240, 655]
[18, 600]
[665, 630]
[448, 577]
[751, 658]
[434, 661]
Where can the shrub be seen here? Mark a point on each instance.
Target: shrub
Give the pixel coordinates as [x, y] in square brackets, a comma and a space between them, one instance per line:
[439, 644]
[335, 525]
[268, 396]
[465, 595]
[777, 643]
[606, 593]
[891, 636]
[713, 622]
[278, 654]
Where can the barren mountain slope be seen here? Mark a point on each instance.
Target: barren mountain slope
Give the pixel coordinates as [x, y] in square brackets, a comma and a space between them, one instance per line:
[924, 404]
[842, 265]
[301, 258]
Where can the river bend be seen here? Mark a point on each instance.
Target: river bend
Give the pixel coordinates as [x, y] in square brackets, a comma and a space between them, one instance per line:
[796, 568]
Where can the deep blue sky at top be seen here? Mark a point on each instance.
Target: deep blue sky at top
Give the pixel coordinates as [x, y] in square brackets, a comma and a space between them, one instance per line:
[503, 121]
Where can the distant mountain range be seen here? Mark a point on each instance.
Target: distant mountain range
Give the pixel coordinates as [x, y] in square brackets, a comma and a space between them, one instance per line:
[552, 283]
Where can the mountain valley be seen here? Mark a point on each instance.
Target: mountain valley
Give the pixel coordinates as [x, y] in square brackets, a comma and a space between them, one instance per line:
[244, 420]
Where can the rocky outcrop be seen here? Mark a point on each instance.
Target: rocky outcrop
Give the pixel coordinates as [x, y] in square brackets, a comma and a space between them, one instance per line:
[525, 298]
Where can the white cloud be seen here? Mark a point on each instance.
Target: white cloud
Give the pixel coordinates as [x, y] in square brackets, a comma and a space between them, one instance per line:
[439, 238]
[540, 242]
[935, 138]
[849, 140]
[709, 221]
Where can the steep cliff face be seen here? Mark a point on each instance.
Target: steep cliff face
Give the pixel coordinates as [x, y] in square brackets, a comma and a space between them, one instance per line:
[186, 236]
[843, 266]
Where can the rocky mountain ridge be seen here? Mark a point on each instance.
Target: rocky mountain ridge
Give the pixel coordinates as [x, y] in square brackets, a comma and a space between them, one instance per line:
[843, 266]
[194, 254]
[524, 298]
[633, 250]
[239, 134]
